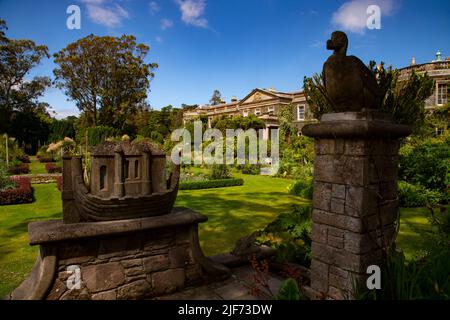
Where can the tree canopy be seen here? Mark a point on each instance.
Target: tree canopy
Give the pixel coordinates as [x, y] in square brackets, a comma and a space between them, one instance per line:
[107, 77]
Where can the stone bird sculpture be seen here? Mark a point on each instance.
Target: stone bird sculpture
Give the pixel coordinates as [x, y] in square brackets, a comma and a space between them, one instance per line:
[349, 84]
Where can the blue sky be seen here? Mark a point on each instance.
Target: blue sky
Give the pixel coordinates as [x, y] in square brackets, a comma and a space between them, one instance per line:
[234, 45]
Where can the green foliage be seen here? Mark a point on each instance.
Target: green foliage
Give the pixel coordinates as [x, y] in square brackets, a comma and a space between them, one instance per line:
[59, 129]
[97, 135]
[316, 95]
[286, 121]
[426, 163]
[210, 184]
[404, 100]
[289, 290]
[220, 171]
[216, 98]
[302, 188]
[17, 59]
[297, 158]
[248, 168]
[5, 181]
[426, 278]
[411, 195]
[14, 151]
[290, 235]
[107, 77]
[238, 122]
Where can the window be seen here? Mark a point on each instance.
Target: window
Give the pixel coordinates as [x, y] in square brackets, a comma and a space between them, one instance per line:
[442, 91]
[271, 109]
[102, 177]
[258, 112]
[245, 113]
[300, 112]
[126, 169]
[136, 169]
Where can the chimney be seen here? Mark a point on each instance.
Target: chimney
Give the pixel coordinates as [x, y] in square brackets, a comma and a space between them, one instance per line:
[234, 99]
[413, 61]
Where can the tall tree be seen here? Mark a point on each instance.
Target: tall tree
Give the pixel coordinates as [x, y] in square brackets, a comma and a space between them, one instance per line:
[216, 98]
[106, 77]
[17, 58]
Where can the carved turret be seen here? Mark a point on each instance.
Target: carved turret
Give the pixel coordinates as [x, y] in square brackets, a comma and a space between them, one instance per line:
[128, 180]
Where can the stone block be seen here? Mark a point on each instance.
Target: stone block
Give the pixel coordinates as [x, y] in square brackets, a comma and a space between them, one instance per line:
[337, 205]
[134, 290]
[355, 147]
[156, 263]
[322, 196]
[324, 146]
[319, 233]
[180, 256]
[103, 277]
[319, 276]
[168, 281]
[106, 295]
[336, 232]
[338, 191]
[131, 263]
[336, 242]
[339, 221]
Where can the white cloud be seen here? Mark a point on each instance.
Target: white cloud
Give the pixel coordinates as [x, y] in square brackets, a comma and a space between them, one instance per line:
[166, 24]
[192, 12]
[352, 15]
[154, 7]
[159, 39]
[104, 13]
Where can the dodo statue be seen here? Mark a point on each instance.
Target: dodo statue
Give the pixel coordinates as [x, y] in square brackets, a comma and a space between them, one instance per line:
[349, 84]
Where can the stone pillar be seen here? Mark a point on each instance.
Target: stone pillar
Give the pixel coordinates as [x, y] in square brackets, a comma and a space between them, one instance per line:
[146, 176]
[355, 205]
[118, 173]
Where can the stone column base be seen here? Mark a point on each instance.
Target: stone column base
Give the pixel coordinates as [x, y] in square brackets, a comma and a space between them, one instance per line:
[125, 259]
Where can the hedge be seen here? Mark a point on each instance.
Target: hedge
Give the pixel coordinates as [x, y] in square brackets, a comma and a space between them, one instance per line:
[23, 193]
[22, 168]
[43, 159]
[52, 168]
[209, 184]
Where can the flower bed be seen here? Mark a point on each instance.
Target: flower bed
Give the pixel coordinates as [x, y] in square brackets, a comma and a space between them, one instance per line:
[52, 168]
[59, 182]
[22, 168]
[209, 184]
[24, 158]
[23, 193]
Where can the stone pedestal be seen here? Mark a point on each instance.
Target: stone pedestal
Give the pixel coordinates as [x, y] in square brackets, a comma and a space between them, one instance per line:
[123, 259]
[355, 198]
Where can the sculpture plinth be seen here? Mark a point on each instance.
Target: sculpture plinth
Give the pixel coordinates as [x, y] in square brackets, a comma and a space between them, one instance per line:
[123, 259]
[355, 197]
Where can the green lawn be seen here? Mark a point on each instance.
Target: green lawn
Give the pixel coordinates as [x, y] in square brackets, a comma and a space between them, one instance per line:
[36, 167]
[233, 212]
[16, 256]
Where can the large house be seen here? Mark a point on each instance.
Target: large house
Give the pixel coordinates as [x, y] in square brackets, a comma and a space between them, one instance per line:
[265, 103]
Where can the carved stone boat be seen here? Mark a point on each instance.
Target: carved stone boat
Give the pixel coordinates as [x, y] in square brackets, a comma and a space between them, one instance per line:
[127, 180]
